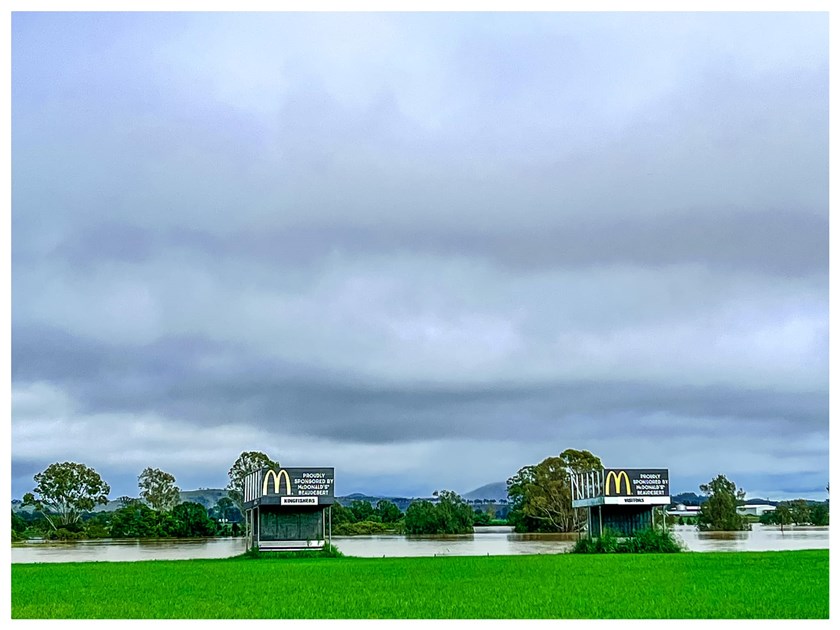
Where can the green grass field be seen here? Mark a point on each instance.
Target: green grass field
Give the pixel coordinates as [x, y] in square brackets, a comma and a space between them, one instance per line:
[783, 584]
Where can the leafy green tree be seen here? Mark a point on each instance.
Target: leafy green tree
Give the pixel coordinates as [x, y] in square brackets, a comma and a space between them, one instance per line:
[421, 517]
[800, 511]
[64, 491]
[819, 514]
[341, 516]
[18, 527]
[227, 510]
[36, 525]
[481, 518]
[191, 521]
[387, 511]
[456, 515]
[719, 512]
[542, 495]
[225, 514]
[18, 524]
[782, 515]
[365, 528]
[362, 510]
[135, 520]
[97, 524]
[451, 515]
[158, 489]
[245, 464]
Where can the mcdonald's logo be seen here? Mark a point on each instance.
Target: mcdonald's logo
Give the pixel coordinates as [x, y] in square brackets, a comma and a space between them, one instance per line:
[277, 477]
[616, 479]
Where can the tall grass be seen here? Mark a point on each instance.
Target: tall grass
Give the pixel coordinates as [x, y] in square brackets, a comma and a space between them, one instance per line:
[327, 551]
[645, 541]
[784, 584]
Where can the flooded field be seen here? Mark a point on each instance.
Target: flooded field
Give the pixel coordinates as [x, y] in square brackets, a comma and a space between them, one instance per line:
[760, 538]
[110, 550]
[494, 541]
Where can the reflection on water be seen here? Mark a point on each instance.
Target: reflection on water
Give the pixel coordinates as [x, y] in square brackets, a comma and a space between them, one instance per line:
[494, 541]
[760, 538]
[111, 550]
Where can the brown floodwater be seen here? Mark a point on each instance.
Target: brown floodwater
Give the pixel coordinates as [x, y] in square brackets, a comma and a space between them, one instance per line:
[112, 550]
[759, 538]
[492, 541]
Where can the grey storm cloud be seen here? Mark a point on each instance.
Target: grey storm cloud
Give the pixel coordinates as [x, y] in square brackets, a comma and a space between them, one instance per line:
[165, 377]
[423, 237]
[777, 243]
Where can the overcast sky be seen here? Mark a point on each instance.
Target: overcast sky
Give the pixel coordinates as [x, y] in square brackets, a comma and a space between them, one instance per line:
[426, 249]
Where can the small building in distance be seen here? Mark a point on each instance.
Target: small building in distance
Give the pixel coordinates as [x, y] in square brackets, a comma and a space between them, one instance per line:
[683, 510]
[754, 509]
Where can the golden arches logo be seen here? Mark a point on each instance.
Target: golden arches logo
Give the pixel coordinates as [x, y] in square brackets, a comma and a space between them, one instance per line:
[277, 477]
[616, 479]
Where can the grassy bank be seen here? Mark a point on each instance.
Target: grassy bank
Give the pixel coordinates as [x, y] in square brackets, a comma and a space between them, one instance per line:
[783, 584]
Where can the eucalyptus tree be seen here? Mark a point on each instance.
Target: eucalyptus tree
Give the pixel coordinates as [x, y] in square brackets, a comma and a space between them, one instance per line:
[541, 495]
[158, 489]
[66, 490]
[245, 464]
[720, 511]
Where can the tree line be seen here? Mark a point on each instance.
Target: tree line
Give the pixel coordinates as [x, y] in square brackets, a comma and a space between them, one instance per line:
[796, 512]
[66, 495]
[449, 515]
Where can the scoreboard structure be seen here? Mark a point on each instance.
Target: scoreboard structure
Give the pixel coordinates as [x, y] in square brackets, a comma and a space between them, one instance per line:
[621, 499]
[289, 508]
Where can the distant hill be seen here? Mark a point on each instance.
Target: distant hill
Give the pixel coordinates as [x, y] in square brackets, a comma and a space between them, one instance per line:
[688, 498]
[208, 497]
[400, 502]
[491, 491]
[761, 502]
[497, 491]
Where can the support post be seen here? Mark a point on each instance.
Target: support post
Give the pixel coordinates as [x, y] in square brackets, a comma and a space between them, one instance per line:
[600, 523]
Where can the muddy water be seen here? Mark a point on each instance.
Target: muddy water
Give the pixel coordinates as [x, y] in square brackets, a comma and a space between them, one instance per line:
[760, 538]
[128, 550]
[485, 541]
[493, 541]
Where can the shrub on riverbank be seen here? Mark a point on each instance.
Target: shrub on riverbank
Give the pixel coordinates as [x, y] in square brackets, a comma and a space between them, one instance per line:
[328, 551]
[450, 515]
[367, 528]
[65, 534]
[644, 541]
